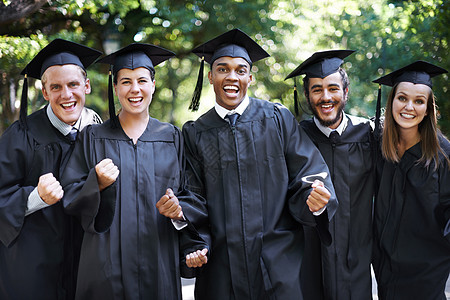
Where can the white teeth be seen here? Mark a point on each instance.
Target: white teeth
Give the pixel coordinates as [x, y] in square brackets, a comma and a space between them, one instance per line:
[134, 99]
[407, 116]
[327, 106]
[230, 87]
[68, 104]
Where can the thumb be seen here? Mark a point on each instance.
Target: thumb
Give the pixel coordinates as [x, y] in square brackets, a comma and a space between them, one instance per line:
[317, 183]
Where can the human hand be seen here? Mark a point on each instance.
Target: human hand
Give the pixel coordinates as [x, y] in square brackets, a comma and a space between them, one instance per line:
[169, 206]
[318, 197]
[197, 259]
[107, 173]
[49, 189]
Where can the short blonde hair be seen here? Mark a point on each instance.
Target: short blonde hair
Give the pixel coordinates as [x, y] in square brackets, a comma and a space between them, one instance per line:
[44, 77]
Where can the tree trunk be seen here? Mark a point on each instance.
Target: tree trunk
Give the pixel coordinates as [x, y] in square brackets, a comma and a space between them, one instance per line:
[14, 10]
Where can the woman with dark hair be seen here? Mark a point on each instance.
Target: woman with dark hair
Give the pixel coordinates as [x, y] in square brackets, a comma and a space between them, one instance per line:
[126, 185]
[412, 209]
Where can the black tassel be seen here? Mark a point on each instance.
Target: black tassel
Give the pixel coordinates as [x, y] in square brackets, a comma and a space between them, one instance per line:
[114, 122]
[295, 98]
[377, 132]
[195, 102]
[24, 104]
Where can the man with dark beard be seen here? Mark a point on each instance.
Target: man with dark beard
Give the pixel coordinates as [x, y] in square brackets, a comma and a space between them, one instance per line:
[341, 270]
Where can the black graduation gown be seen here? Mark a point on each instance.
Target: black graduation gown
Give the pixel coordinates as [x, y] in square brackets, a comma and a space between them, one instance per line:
[250, 177]
[35, 250]
[129, 250]
[342, 269]
[411, 228]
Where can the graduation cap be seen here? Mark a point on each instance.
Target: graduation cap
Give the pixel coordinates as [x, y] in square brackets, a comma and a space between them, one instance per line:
[133, 56]
[419, 72]
[58, 52]
[319, 65]
[234, 43]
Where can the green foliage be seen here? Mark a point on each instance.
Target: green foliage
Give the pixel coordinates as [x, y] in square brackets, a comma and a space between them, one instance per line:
[386, 35]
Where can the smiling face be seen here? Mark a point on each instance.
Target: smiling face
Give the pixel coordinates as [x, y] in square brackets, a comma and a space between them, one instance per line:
[327, 98]
[409, 105]
[65, 88]
[230, 77]
[135, 89]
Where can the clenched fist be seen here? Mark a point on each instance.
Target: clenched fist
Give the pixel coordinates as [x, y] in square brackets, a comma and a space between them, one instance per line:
[319, 196]
[107, 173]
[169, 206]
[49, 189]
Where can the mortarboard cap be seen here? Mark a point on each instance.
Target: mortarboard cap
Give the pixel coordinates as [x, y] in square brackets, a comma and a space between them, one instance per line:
[419, 72]
[57, 52]
[234, 43]
[319, 65]
[137, 55]
[133, 56]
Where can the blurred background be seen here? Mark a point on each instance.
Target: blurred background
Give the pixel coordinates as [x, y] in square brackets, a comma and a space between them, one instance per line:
[386, 35]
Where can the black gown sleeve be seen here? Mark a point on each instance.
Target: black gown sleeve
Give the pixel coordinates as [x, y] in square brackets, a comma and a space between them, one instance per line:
[82, 197]
[194, 211]
[195, 204]
[303, 158]
[444, 187]
[15, 151]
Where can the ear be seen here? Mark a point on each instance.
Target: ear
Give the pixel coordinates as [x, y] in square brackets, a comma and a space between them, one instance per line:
[44, 93]
[87, 85]
[346, 94]
[153, 87]
[210, 77]
[250, 79]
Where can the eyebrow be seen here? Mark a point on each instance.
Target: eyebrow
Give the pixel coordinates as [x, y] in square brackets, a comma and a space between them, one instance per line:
[128, 78]
[406, 94]
[330, 85]
[240, 65]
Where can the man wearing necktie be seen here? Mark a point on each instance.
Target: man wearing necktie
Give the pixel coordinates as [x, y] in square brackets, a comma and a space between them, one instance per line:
[342, 270]
[39, 243]
[246, 157]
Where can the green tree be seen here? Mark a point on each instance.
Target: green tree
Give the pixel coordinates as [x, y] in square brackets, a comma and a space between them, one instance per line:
[386, 35]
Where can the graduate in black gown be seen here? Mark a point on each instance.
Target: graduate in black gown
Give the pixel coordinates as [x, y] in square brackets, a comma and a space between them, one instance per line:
[340, 270]
[39, 243]
[122, 168]
[247, 157]
[412, 209]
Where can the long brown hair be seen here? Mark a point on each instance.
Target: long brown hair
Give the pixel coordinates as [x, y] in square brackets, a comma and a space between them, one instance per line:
[427, 129]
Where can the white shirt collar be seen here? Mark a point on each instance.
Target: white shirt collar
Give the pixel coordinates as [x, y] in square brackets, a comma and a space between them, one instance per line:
[222, 111]
[327, 131]
[62, 127]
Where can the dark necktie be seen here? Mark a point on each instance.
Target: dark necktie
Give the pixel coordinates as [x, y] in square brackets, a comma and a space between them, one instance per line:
[73, 134]
[232, 118]
[334, 137]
